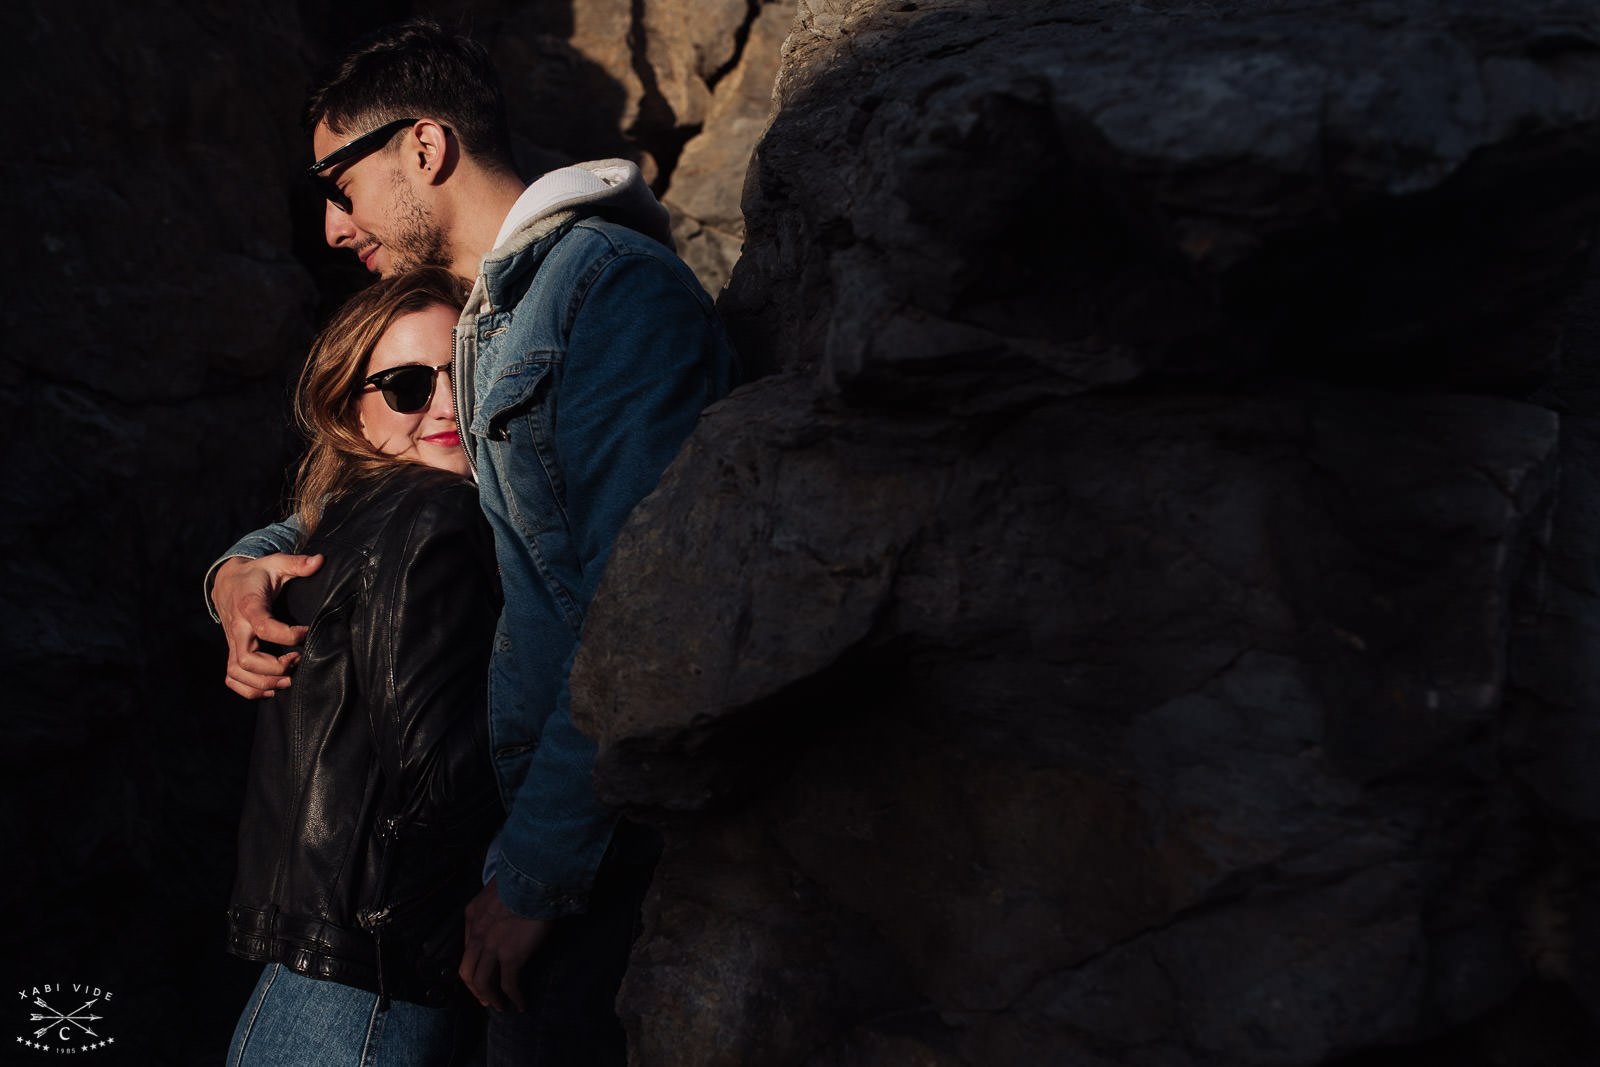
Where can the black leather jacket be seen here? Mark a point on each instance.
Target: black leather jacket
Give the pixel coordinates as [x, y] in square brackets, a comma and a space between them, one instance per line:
[371, 795]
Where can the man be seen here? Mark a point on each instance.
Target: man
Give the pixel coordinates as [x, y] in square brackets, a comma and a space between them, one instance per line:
[583, 358]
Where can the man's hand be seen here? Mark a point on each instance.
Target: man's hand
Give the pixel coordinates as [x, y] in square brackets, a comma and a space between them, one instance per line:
[243, 592]
[499, 942]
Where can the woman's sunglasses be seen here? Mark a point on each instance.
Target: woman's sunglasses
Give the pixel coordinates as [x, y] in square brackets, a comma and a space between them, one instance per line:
[407, 388]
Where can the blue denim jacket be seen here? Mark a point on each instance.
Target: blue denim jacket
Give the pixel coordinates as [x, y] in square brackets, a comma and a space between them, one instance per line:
[583, 360]
[579, 380]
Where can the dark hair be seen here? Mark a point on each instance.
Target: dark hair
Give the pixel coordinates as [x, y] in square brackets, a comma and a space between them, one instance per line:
[417, 70]
[338, 457]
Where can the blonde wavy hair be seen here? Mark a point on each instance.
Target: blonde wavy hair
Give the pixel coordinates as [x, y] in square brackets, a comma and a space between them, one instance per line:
[338, 457]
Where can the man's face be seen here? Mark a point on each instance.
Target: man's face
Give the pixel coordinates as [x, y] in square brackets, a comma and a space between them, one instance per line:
[388, 226]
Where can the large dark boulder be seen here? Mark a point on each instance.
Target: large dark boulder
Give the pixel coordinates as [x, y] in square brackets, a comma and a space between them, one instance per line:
[1143, 621]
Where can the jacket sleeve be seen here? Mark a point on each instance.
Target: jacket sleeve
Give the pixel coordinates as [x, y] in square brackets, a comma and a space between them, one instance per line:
[279, 537]
[644, 356]
[421, 654]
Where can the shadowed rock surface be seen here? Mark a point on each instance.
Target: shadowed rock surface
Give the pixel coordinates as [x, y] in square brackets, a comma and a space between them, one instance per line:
[1145, 620]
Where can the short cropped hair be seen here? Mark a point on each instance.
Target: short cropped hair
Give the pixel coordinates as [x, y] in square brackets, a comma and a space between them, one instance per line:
[416, 69]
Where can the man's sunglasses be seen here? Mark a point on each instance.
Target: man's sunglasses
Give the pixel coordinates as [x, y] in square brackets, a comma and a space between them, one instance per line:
[407, 388]
[362, 146]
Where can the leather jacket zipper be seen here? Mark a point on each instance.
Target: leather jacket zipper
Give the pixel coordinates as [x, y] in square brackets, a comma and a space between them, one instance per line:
[374, 920]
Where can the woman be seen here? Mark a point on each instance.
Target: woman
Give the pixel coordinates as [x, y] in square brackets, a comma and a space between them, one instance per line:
[371, 795]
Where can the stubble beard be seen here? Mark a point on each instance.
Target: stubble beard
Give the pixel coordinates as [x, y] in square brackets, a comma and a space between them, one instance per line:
[418, 241]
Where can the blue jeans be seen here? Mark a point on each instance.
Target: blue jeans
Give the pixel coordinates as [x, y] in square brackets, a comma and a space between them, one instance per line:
[292, 1020]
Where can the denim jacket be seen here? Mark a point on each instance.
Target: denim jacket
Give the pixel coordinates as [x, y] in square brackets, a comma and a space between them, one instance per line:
[583, 359]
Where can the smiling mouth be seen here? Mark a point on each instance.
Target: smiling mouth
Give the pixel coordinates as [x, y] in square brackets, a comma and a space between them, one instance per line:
[365, 252]
[448, 439]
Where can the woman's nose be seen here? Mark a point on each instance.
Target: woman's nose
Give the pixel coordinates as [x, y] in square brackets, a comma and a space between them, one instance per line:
[443, 406]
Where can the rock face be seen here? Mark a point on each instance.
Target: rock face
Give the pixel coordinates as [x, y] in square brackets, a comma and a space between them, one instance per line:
[153, 310]
[683, 87]
[708, 180]
[1145, 620]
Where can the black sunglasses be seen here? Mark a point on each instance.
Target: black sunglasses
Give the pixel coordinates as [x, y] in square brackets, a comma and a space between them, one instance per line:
[364, 145]
[407, 388]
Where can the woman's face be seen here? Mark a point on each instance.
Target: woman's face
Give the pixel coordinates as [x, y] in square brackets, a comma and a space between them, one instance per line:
[428, 435]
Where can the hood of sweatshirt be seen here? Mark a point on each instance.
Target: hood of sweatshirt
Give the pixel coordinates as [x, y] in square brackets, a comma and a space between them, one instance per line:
[611, 188]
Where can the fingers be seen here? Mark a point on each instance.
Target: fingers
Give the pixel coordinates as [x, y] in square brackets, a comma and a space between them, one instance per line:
[243, 592]
[252, 606]
[251, 623]
[279, 567]
[249, 692]
[251, 672]
[266, 628]
[298, 566]
[478, 973]
[263, 664]
[511, 986]
[480, 957]
[485, 989]
[498, 945]
[255, 675]
[248, 586]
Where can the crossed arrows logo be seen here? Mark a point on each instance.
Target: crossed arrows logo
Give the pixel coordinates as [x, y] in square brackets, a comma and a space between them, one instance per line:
[56, 1018]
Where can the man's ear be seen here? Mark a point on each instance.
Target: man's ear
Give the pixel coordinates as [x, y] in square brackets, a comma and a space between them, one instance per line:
[433, 149]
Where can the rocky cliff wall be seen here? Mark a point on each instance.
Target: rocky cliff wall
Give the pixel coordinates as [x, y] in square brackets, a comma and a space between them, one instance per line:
[1147, 619]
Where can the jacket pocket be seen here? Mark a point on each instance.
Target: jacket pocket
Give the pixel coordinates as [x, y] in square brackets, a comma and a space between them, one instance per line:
[518, 421]
[517, 391]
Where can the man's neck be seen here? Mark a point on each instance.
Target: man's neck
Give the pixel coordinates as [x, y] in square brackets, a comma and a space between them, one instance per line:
[483, 199]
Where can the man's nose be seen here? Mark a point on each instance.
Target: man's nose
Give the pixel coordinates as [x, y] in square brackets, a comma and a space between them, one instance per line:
[336, 225]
